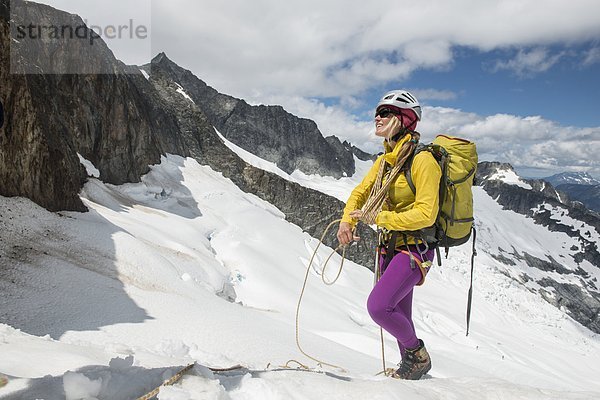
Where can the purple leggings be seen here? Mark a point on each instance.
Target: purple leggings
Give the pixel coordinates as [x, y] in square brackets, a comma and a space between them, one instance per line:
[390, 301]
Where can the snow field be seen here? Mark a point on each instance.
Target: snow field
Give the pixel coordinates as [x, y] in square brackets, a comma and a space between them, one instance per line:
[160, 259]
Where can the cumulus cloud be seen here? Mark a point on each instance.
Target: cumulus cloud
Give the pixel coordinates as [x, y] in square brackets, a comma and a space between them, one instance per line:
[338, 48]
[522, 141]
[529, 62]
[312, 48]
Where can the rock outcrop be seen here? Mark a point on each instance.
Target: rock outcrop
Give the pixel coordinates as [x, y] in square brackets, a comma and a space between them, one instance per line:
[114, 120]
[269, 132]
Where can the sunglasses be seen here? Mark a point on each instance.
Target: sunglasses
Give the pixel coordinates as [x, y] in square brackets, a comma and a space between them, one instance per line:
[385, 112]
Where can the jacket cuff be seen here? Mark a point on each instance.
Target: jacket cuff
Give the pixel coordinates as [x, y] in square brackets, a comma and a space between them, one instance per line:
[350, 220]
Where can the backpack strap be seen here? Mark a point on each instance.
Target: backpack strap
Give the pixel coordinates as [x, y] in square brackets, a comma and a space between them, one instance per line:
[470, 295]
[420, 147]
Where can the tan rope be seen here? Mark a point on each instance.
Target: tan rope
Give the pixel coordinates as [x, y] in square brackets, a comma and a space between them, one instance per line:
[168, 382]
[302, 295]
[381, 187]
[377, 275]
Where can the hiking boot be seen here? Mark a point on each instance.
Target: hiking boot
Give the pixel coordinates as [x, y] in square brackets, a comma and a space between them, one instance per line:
[415, 363]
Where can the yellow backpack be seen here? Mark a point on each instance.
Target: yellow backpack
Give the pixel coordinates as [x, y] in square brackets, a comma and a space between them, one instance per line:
[458, 160]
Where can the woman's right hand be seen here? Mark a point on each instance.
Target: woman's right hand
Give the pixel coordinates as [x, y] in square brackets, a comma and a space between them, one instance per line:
[345, 234]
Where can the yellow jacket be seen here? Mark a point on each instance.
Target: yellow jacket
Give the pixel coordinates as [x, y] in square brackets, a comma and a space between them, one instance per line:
[406, 211]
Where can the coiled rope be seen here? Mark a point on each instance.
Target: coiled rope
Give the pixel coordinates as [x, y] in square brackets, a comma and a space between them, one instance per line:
[319, 362]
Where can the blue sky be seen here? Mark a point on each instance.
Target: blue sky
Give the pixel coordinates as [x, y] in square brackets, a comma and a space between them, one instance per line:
[568, 92]
[519, 77]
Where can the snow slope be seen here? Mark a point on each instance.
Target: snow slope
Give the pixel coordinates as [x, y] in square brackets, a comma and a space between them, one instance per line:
[510, 177]
[186, 267]
[338, 188]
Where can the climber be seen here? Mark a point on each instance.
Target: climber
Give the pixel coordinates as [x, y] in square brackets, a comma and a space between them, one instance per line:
[390, 302]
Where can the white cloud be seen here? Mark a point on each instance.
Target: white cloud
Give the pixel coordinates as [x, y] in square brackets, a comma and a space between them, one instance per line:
[521, 141]
[527, 63]
[338, 48]
[592, 56]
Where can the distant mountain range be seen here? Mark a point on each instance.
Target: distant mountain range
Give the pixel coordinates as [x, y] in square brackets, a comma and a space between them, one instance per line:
[578, 186]
[572, 178]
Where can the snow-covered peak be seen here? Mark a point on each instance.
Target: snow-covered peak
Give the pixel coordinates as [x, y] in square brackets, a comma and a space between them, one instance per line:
[577, 178]
[510, 177]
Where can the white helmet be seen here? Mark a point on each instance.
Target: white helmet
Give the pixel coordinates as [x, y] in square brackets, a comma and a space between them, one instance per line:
[401, 99]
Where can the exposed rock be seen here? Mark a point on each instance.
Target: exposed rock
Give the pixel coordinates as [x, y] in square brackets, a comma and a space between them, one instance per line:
[583, 306]
[544, 265]
[269, 132]
[114, 120]
[588, 195]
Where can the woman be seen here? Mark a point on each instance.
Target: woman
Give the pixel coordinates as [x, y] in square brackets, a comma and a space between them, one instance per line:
[390, 302]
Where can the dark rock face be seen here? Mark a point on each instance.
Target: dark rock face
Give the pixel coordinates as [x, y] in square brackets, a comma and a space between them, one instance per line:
[269, 132]
[35, 162]
[114, 120]
[362, 155]
[581, 305]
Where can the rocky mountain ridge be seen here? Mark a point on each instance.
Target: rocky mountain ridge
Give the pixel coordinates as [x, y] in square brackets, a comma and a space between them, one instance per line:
[307, 208]
[269, 132]
[579, 186]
